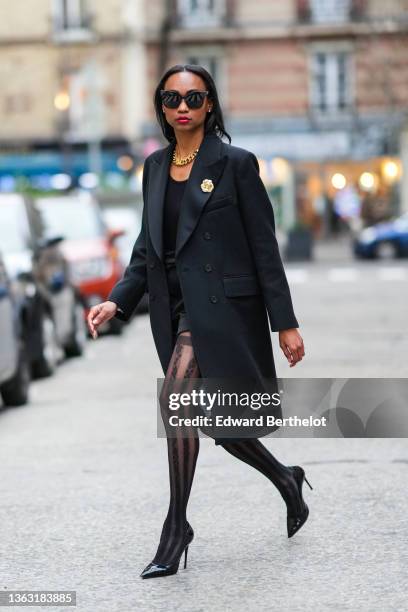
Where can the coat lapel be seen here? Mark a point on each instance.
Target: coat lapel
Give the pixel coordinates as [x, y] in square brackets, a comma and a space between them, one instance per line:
[208, 164]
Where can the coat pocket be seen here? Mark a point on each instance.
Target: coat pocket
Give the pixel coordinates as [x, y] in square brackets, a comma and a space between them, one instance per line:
[235, 286]
[218, 203]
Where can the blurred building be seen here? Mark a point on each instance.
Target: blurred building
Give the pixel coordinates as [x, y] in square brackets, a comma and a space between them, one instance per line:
[318, 89]
[321, 84]
[72, 85]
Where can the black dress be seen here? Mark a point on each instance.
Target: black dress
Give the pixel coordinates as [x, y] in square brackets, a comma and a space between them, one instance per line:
[172, 201]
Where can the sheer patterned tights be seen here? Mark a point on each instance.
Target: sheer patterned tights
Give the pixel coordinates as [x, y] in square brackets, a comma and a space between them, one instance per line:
[183, 447]
[182, 451]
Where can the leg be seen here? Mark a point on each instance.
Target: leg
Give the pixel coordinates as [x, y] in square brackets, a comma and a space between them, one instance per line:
[182, 453]
[253, 452]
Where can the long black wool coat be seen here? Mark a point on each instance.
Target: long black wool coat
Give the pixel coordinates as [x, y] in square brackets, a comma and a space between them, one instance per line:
[227, 259]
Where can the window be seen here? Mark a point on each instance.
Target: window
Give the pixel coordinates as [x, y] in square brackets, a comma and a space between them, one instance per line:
[70, 15]
[330, 82]
[201, 13]
[330, 11]
[210, 63]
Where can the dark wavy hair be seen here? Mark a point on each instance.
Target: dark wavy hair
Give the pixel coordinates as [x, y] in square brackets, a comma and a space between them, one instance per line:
[214, 121]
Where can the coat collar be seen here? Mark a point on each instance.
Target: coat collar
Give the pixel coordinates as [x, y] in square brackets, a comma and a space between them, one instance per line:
[208, 164]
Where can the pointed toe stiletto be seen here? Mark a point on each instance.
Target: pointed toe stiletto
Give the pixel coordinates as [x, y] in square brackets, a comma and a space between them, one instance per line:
[154, 570]
[295, 521]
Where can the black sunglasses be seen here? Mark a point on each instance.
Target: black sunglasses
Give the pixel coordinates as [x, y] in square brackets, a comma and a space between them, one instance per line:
[172, 99]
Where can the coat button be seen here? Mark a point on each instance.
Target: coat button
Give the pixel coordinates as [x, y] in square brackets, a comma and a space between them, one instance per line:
[152, 264]
[208, 267]
[213, 299]
[207, 235]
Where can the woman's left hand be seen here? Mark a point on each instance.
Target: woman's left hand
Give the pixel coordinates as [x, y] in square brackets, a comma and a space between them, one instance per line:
[291, 343]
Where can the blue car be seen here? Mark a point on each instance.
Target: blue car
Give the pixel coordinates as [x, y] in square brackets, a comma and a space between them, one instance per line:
[384, 240]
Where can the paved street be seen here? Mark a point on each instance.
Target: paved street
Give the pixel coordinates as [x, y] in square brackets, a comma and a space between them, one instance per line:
[352, 314]
[84, 486]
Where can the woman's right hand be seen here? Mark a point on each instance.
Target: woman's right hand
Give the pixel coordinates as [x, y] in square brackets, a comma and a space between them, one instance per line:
[98, 314]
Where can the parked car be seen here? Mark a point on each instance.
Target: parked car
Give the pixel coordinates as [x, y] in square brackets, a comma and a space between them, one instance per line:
[129, 220]
[387, 239]
[14, 366]
[54, 313]
[89, 246]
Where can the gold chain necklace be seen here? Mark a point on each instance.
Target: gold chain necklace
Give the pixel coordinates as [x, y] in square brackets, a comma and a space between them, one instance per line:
[182, 161]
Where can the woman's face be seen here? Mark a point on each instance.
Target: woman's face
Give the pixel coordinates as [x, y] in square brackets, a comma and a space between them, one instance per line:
[183, 82]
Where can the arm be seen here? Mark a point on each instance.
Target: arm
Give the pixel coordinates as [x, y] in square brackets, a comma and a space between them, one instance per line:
[128, 291]
[259, 221]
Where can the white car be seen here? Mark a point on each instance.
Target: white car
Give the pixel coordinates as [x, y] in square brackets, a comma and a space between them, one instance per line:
[129, 219]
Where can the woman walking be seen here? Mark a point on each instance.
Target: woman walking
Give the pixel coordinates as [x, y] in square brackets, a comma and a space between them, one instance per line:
[208, 257]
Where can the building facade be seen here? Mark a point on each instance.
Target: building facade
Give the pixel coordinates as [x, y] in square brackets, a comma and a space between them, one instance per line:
[67, 69]
[318, 89]
[322, 84]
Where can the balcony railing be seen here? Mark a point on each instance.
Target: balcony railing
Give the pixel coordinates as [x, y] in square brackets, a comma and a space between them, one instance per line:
[330, 11]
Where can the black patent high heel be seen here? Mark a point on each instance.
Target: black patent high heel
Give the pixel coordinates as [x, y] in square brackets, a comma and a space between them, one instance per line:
[295, 521]
[154, 570]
